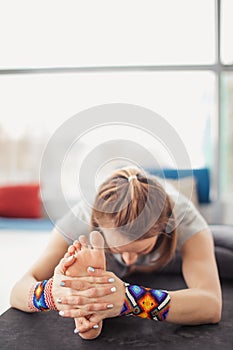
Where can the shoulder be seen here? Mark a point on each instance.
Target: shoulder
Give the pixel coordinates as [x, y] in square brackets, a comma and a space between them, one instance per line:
[188, 219]
[76, 222]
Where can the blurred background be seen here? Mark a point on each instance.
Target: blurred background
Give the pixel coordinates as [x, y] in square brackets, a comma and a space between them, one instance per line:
[58, 58]
[173, 57]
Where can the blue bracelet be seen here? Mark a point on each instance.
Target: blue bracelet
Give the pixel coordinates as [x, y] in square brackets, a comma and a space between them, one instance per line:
[144, 302]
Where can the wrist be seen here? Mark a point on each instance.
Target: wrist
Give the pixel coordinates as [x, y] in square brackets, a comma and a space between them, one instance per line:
[40, 296]
[145, 302]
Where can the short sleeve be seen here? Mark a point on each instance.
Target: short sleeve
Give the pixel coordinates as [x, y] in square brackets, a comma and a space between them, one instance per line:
[189, 220]
[75, 223]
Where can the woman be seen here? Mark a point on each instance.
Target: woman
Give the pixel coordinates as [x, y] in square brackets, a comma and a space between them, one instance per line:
[142, 226]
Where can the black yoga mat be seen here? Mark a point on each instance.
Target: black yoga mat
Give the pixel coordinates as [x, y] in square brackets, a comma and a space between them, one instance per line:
[48, 331]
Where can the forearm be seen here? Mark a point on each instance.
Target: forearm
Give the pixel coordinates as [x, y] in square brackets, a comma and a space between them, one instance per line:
[20, 293]
[193, 306]
[189, 306]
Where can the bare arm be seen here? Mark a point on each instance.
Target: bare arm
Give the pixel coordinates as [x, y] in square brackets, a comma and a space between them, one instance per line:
[202, 301]
[41, 270]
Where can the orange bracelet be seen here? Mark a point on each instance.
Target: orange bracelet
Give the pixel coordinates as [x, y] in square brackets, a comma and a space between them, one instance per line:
[146, 303]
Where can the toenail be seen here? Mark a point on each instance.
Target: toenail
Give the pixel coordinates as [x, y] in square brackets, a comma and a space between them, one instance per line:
[111, 280]
[95, 326]
[59, 300]
[62, 283]
[76, 331]
[113, 289]
[110, 306]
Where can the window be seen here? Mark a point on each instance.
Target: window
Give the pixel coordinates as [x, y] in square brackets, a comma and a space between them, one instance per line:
[58, 59]
[227, 135]
[106, 33]
[226, 30]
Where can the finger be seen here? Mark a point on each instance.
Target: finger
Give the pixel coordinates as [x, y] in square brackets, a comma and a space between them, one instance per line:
[82, 325]
[83, 283]
[64, 264]
[97, 307]
[83, 303]
[87, 296]
[95, 272]
[97, 292]
[96, 318]
[76, 284]
[74, 313]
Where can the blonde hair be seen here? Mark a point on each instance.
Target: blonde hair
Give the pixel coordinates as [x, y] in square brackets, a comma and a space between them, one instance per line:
[130, 199]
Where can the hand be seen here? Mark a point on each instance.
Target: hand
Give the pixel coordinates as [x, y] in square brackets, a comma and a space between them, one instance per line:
[87, 329]
[59, 272]
[95, 298]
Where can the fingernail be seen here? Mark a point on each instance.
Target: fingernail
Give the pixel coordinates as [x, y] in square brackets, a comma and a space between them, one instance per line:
[110, 306]
[61, 313]
[76, 331]
[62, 284]
[59, 300]
[75, 242]
[95, 326]
[113, 289]
[111, 280]
[91, 269]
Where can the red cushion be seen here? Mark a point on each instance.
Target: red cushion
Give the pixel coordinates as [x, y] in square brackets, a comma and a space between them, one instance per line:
[20, 201]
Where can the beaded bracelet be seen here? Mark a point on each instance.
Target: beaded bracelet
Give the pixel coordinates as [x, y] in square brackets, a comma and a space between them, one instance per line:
[40, 296]
[146, 303]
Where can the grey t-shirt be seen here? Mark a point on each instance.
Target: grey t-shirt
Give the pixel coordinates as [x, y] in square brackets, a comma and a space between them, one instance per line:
[189, 221]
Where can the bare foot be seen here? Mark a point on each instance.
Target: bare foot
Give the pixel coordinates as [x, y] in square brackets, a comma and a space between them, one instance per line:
[86, 257]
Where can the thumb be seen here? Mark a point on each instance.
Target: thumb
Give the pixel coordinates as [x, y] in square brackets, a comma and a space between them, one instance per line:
[64, 264]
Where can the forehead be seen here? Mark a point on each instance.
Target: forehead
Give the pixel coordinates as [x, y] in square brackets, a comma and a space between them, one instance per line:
[129, 246]
[118, 236]
[115, 238]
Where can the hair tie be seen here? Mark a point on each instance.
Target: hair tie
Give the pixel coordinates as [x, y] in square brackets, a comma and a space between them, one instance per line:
[131, 177]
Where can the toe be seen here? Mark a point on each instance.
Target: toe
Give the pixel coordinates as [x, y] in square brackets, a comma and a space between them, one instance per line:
[83, 241]
[97, 240]
[77, 246]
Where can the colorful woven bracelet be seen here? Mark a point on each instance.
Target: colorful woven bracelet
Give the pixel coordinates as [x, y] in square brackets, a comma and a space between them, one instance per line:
[146, 303]
[40, 297]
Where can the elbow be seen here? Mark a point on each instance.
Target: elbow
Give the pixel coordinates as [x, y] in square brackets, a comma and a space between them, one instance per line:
[216, 318]
[216, 311]
[14, 299]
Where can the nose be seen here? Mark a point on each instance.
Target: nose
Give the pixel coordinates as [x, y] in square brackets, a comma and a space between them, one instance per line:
[129, 258]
